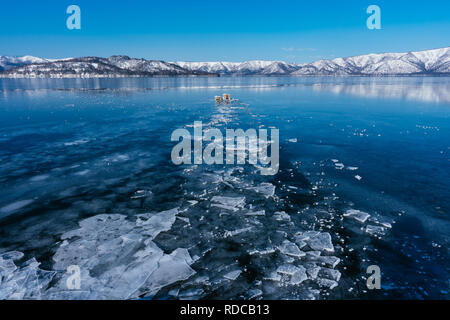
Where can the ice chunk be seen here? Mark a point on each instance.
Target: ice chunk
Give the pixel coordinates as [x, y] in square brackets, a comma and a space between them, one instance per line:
[313, 254]
[267, 250]
[256, 213]
[339, 166]
[236, 232]
[141, 194]
[273, 276]
[358, 215]
[288, 269]
[282, 216]
[232, 275]
[7, 267]
[376, 231]
[320, 242]
[312, 270]
[265, 188]
[290, 249]
[329, 260]
[386, 225]
[331, 284]
[306, 235]
[228, 203]
[171, 268]
[157, 223]
[299, 276]
[254, 293]
[331, 274]
[184, 219]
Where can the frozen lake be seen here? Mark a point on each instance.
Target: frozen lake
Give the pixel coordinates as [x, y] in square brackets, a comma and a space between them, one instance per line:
[364, 180]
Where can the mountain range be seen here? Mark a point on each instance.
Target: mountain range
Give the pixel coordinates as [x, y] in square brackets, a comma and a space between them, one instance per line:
[429, 62]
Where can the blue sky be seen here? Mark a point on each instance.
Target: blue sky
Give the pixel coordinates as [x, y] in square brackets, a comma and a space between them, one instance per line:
[294, 31]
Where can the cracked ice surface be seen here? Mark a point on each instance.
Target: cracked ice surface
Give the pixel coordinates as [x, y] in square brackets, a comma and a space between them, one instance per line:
[229, 203]
[116, 256]
[122, 260]
[245, 241]
[26, 281]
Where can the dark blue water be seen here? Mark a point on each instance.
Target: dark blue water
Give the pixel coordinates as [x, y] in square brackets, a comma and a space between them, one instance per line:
[70, 149]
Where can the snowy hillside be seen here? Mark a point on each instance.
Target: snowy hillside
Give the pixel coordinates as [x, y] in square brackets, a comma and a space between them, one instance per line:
[435, 61]
[7, 62]
[429, 62]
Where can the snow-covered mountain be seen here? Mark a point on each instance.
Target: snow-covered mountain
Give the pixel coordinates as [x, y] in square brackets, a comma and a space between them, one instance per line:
[95, 67]
[227, 68]
[429, 62]
[7, 62]
[435, 61]
[147, 66]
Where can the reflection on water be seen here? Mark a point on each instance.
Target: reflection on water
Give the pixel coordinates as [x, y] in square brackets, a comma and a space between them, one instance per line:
[422, 91]
[428, 89]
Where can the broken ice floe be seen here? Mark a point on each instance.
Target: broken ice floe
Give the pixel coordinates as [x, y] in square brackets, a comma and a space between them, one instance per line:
[254, 294]
[339, 166]
[282, 216]
[376, 231]
[236, 232]
[288, 269]
[265, 188]
[299, 276]
[120, 258]
[312, 270]
[331, 274]
[22, 281]
[256, 213]
[297, 273]
[116, 256]
[141, 194]
[290, 249]
[228, 203]
[330, 284]
[358, 215]
[319, 241]
[232, 275]
[386, 225]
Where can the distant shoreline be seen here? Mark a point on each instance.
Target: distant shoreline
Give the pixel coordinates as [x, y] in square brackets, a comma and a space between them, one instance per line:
[424, 75]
